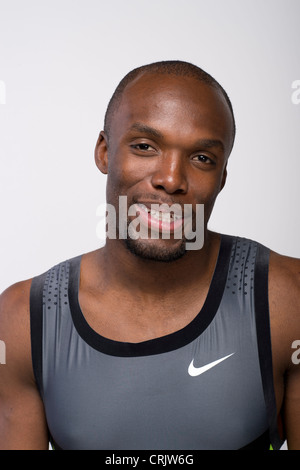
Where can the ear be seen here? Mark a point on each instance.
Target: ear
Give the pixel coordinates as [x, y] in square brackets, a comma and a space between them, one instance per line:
[101, 150]
[224, 177]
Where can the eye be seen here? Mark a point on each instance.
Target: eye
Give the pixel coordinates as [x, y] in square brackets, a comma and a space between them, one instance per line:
[203, 159]
[142, 146]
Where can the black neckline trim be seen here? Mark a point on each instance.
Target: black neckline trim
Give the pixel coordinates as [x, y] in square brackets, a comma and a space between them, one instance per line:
[163, 344]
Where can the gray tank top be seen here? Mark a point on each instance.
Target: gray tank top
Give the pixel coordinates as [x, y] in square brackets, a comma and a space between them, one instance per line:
[206, 386]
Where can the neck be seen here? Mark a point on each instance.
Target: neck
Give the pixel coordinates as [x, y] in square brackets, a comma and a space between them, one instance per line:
[123, 270]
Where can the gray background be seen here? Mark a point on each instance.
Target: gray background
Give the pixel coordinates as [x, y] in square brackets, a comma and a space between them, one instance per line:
[60, 62]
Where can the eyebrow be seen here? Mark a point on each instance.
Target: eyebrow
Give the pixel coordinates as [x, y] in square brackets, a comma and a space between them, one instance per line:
[209, 143]
[144, 129]
[203, 143]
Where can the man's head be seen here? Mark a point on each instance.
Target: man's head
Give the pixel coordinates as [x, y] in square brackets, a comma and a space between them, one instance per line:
[169, 130]
[170, 67]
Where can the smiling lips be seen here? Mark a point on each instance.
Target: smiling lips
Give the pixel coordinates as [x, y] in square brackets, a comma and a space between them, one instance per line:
[161, 217]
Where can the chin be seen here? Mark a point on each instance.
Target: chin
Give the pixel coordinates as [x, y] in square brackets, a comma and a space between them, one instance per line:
[154, 251]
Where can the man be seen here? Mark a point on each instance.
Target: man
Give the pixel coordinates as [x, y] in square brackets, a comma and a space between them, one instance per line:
[145, 344]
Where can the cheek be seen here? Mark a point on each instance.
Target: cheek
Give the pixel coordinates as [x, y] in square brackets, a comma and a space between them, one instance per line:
[128, 169]
[206, 186]
[124, 174]
[205, 190]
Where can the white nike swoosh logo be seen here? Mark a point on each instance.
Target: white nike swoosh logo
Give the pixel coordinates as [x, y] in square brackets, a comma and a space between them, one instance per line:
[194, 371]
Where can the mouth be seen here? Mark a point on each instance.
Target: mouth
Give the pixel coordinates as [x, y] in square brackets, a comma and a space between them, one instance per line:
[160, 217]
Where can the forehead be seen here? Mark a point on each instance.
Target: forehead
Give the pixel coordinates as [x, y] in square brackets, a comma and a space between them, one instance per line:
[174, 104]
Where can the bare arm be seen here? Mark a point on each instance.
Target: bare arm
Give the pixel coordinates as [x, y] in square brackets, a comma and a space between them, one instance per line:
[285, 328]
[22, 420]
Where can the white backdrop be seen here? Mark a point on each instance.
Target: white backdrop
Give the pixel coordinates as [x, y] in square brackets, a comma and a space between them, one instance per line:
[60, 61]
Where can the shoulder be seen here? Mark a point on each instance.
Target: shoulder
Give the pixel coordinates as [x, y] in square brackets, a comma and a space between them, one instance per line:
[284, 303]
[15, 300]
[284, 279]
[15, 326]
[14, 303]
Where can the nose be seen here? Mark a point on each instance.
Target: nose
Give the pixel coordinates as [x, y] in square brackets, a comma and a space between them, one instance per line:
[170, 174]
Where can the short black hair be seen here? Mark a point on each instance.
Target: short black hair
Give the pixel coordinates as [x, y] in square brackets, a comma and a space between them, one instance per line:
[169, 67]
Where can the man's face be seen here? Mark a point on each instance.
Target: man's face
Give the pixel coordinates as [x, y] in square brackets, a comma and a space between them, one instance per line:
[169, 143]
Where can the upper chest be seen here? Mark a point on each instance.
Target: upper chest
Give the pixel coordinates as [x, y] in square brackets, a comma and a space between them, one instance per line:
[123, 316]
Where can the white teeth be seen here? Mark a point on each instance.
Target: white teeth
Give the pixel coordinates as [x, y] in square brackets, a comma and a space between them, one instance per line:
[166, 217]
[159, 215]
[163, 216]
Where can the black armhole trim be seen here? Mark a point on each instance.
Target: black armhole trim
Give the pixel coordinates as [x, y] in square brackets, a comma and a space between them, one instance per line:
[36, 327]
[158, 345]
[261, 299]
